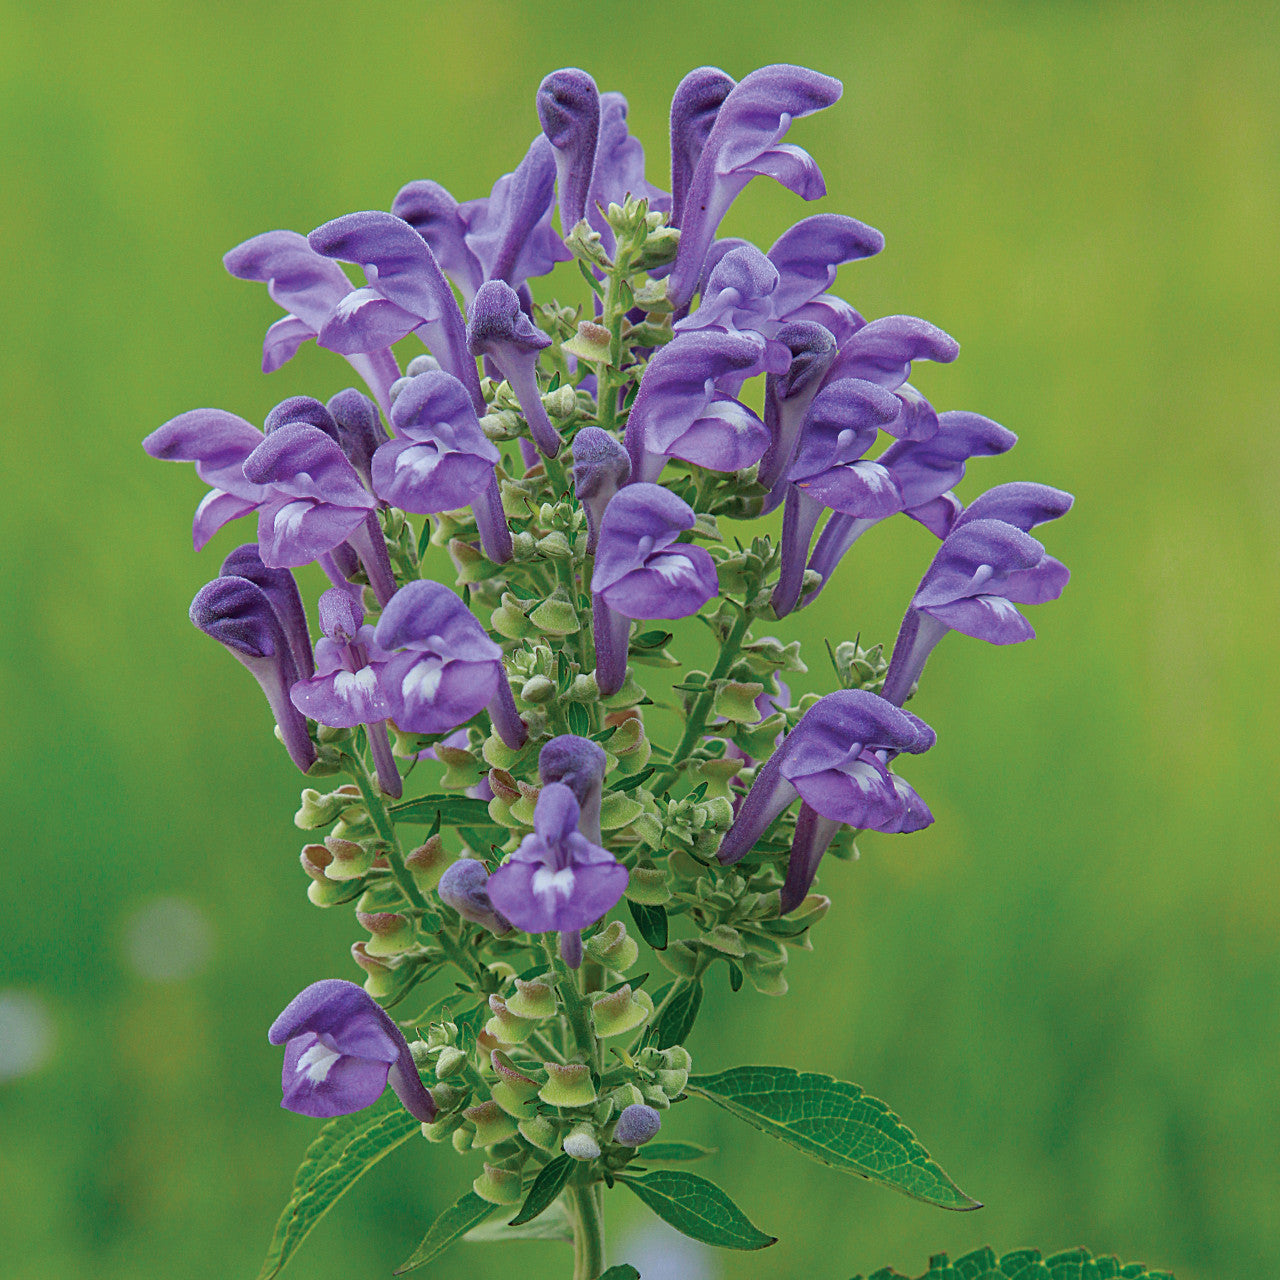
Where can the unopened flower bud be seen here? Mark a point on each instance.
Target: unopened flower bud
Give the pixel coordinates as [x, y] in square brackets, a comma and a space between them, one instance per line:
[421, 364]
[540, 1131]
[462, 886]
[538, 689]
[443, 1128]
[562, 402]
[568, 1086]
[581, 1142]
[392, 932]
[498, 1186]
[461, 1138]
[532, 1000]
[612, 947]
[637, 1125]
[351, 861]
[427, 862]
[379, 976]
[450, 1062]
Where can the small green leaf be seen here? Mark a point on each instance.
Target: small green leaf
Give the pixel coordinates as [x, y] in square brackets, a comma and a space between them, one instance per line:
[453, 811]
[651, 923]
[1028, 1264]
[345, 1149]
[450, 1226]
[552, 1225]
[546, 1186]
[659, 1151]
[622, 1272]
[697, 1208]
[636, 780]
[579, 720]
[835, 1123]
[677, 1018]
[735, 976]
[652, 640]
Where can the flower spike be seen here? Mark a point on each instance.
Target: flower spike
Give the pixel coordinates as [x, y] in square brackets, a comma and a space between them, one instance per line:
[569, 112]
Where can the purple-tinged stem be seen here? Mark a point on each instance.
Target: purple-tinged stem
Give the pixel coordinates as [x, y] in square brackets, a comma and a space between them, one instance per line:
[384, 762]
[799, 520]
[371, 547]
[612, 631]
[814, 834]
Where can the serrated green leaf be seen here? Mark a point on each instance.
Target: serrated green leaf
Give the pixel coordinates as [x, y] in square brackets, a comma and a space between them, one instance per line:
[676, 1020]
[345, 1149]
[622, 1272]
[1028, 1264]
[449, 1227]
[835, 1123]
[659, 1151]
[453, 810]
[651, 922]
[697, 1208]
[546, 1187]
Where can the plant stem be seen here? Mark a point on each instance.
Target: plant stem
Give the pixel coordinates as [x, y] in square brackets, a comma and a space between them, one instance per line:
[385, 828]
[576, 1009]
[588, 1231]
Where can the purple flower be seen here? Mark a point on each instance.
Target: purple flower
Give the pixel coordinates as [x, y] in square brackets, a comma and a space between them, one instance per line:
[694, 107]
[401, 269]
[569, 112]
[506, 235]
[637, 1125]
[464, 887]
[744, 142]
[841, 425]
[359, 429]
[441, 459]
[640, 572]
[448, 669]
[600, 468]
[346, 688]
[807, 256]
[580, 764]
[316, 502]
[836, 762]
[557, 880]
[238, 614]
[310, 288]
[281, 589]
[619, 169]
[341, 1051]
[500, 330]
[218, 442]
[924, 471]
[981, 572]
[681, 412]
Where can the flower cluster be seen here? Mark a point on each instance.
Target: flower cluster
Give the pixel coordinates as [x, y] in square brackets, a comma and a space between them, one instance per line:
[574, 461]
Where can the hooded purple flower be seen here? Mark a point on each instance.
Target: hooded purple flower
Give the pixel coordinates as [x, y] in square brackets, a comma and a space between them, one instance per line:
[982, 570]
[619, 169]
[600, 468]
[448, 669]
[923, 471]
[311, 289]
[401, 269]
[464, 887]
[841, 425]
[580, 764]
[745, 142]
[557, 880]
[569, 112]
[808, 254]
[358, 429]
[346, 688]
[694, 107]
[239, 615]
[641, 572]
[341, 1052]
[441, 459]
[506, 235]
[282, 590]
[681, 412]
[500, 330]
[316, 502]
[836, 762]
[218, 442]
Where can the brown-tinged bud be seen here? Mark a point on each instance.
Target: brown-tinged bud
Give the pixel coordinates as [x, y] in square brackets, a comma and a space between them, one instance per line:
[504, 1026]
[532, 1000]
[498, 1186]
[513, 1089]
[379, 976]
[493, 1125]
[568, 1086]
[427, 862]
[351, 861]
[392, 932]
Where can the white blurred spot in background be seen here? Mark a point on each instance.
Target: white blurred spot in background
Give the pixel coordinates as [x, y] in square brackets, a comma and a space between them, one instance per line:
[26, 1034]
[168, 939]
[659, 1252]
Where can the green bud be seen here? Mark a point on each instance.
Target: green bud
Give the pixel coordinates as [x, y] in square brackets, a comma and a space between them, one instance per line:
[392, 932]
[680, 958]
[717, 774]
[725, 939]
[658, 248]
[351, 861]
[617, 809]
[448, 1096]
[509, 619]
[380, 979]
[441, 1033]
[766, 976]
[568, 1086]
[427, 862]
[655, 1096]
[315, 859]
[450, 1062]
[320, 810]
[590, 343]
[652, 297]
[493, 1125]
[757, 739]
[532, 1000]
[522, 809]
[581, 1142]
[555, 546]
[504, 1026]
[556, 615]
[513, 1089]
[583, 241]
[718, 813]
[626, 1095]
[538, 689]
[497, 753]
[442, 1128]
[562, 402]
[583, 688]
[540, 1131]
[462, 1139]
[649, 829]
[672, 1083]
[611, 947]
[524, 546]
[619, 1012]
[677, 1058]
[498, 1186]
[648, 886]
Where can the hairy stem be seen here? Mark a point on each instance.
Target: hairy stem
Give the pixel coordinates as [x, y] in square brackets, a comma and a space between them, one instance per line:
[702, 706]
[587, 1209]
[385, 828]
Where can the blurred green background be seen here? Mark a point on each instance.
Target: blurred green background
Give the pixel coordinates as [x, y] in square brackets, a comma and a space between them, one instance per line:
[1070, 985]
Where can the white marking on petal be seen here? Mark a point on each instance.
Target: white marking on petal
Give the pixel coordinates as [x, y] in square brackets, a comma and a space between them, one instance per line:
[422, 680]
[290, 517]
[674, 568]
[353, 301]
[317, 1062]
[863, 776]
[998, 605]
[365, 681]
[547, 883]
